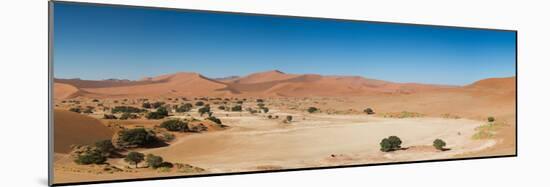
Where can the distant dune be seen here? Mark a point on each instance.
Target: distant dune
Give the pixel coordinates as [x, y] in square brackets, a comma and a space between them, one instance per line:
[73, 128]
[264, 84]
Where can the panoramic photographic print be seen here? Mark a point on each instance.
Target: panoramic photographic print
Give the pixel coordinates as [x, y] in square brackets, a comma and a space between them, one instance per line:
[142, 93]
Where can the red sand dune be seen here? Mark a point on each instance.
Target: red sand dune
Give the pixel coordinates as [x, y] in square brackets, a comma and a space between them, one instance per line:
[76, 129]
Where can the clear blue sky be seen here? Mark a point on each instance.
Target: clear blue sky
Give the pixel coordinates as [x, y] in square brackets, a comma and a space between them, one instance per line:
[97, 42]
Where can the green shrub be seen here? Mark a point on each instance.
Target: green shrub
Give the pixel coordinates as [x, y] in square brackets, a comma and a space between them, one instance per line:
[184, 108]
[221, 107]
[138, 137]
[391, 143]
[75, 109]
[106, 147]
[288, 118]
[175, 125]
[312, 109]
[491, 119]
[237, 108]
[146, 105]
[155, 115]
[134, 158]
[93, 156]
[154, 161]
[126, 109]
[199, 103]
[126, 115]
[369, 111]
[203, 110]
[214, 119]
[439, 144]
[157, 104]
[168, 137]
[109, 116]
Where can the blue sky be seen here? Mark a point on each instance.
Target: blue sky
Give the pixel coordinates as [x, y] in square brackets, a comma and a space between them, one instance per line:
[99, 42]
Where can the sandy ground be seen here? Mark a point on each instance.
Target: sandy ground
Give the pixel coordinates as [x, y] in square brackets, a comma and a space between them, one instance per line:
[253, 142]
[256, 143]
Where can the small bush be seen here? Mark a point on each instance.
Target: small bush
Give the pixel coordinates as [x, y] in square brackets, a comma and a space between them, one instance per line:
[265, 109]
[237, 108]
[76, 109]
[203, 110]
[168, 137]
[369, 111]
[288, 118]
[175, 125]
[154, 115]
[184, 108]
[491, 119]
[391, 143]
[199, 103]
[126, 116]
[439, 144]
[126, 109]
[157, 104]
[134, 158]
[146, 105]
[312, 109]
[214, 119]
[221, 107]
[109, 116]
[259, 100]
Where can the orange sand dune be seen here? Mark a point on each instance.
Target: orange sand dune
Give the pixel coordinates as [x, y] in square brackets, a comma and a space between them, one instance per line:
[179, 84]
[268, 76]
[64, 91]
[270, 83]
[71, 128]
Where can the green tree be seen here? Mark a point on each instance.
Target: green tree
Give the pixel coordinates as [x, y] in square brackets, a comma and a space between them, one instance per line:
[491, 119]
[154, 161]
[199, 103]
[137, 137]
[439, 144]
[134, 158]
[391, 143]
[106, 147]
[92, 156]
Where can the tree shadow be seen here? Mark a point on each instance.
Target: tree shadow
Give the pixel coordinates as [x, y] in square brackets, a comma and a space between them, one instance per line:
[156, 144]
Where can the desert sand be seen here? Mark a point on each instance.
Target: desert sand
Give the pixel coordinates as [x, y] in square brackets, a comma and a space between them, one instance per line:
[339, 133]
